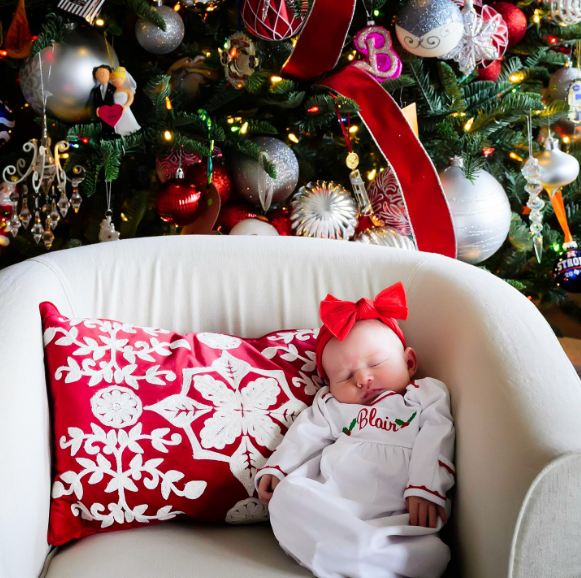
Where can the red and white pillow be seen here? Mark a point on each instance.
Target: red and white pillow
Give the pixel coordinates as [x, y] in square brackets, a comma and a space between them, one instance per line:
[149, 424]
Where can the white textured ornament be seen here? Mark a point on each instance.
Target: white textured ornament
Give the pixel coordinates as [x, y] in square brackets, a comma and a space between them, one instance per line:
[482, 37]
[480, 212]
[254, 227]
[565, 12]
[385, 237]
[429, 28]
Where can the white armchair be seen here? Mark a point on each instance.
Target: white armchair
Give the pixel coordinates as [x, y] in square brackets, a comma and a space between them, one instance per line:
[515, 396]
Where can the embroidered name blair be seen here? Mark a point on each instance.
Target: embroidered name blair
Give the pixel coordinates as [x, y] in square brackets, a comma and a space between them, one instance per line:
[367, 417]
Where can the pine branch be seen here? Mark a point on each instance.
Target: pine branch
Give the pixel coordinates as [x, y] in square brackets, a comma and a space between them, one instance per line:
[422, 78]
[256, 83]
[225, 94]
[292, 100]
[253, 150]
[53, 30]
[452, 89]
[519, 234]
[157, 89]
[180, 141]
[144, 10]
[398, 83]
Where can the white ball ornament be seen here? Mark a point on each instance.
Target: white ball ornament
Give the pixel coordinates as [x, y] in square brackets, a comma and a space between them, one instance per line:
[429, 28]
[480, 212]
[254, 227]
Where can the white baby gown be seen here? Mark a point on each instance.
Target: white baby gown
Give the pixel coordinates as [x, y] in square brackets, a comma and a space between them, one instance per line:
[127, 123]
[346, 470]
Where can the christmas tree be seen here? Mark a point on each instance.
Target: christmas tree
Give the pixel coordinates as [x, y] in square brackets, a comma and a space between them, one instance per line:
[196, 115]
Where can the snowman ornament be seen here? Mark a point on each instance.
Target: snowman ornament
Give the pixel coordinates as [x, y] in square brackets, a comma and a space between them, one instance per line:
[107, 230]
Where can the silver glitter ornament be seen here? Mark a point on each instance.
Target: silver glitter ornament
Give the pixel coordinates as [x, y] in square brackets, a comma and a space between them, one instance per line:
[67, 73]
[154, 39]
[557, 167]
[480, 212]
[252, 181]
[429, 28]
[385, 237]
[325, 210]
[560, 81]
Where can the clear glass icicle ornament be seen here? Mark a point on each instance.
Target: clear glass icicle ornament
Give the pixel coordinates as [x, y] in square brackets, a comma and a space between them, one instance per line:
[532, 174]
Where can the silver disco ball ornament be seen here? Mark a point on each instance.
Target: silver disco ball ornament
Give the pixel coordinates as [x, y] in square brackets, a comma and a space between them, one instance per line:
[560, 81]
[324, 209]
[252, 181]
[156, 40]
[385, 237]
[429, 28]
[480, 212]
[67, 74]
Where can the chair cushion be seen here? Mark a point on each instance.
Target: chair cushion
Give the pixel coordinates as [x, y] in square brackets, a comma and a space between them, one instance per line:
[149, 424]
[175, 550]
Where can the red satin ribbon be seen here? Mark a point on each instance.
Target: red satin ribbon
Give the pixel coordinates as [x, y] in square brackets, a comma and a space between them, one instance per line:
[424, 198]
[317, 51]
[321, 41]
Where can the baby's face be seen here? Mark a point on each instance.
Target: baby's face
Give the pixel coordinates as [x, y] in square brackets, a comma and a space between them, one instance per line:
[369, 361]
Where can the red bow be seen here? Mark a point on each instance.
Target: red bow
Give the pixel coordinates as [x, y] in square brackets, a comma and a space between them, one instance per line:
[340, 316]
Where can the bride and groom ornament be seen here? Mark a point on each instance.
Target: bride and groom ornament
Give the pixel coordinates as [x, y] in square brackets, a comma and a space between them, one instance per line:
[112, 97]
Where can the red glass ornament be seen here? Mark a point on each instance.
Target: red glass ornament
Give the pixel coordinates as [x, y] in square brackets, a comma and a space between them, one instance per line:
[178, 202]
[168, 162]
[270, 19]
[5, 216]
[198, 174]
[515, 19]
[280, 220]
[232, 214]
[491, 72]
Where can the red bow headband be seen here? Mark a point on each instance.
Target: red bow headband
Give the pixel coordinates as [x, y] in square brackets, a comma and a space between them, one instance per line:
[339, 317]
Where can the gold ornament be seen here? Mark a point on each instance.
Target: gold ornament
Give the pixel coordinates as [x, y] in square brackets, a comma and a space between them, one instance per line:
[352, 161]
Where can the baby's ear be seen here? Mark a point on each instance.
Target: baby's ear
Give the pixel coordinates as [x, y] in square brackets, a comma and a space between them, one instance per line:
[411, 360]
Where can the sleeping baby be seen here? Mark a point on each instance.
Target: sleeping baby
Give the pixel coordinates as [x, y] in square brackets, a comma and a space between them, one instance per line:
[357, 488]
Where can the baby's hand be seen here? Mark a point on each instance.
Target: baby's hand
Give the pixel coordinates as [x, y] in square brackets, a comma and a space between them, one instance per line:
[423, 512]
[266, 487]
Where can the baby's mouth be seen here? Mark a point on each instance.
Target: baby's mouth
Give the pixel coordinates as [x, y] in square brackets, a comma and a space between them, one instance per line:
[371, 394]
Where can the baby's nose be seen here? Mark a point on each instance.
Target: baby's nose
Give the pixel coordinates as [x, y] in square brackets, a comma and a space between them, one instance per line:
[364, 379]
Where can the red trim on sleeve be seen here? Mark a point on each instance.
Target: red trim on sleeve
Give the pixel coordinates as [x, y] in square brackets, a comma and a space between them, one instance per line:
[413, 382]
[441, 463]
[426, 490]
[272, 468]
